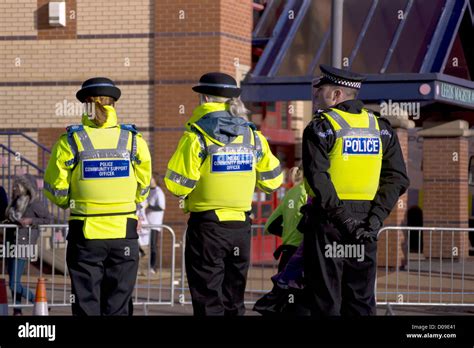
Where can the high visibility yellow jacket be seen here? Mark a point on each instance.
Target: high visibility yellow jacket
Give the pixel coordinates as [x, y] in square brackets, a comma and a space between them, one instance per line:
[358, 149]
[219, 161]
[100, 173]
[288, 211]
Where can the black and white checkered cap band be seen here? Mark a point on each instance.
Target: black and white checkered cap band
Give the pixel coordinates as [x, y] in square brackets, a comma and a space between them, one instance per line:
[342, 82]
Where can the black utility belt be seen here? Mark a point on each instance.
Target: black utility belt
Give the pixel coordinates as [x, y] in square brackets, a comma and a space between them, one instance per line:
[211, 216]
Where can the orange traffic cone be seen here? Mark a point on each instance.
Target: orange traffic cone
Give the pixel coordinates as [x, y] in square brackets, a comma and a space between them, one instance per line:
[41, 301]
[3, 298]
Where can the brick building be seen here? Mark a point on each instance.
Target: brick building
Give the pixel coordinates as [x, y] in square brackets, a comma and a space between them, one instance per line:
[156, 50]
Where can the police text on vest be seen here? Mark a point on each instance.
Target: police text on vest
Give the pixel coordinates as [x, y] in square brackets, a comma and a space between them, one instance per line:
[361, 145]
[37, 331]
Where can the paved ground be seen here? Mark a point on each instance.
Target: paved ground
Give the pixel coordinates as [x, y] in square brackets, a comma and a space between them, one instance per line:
[419, 282]
[186, 310]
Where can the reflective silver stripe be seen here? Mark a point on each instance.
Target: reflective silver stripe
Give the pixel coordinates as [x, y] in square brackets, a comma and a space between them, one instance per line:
[73, 147]
[338, 119]
[246, 137]
[272, 174]
[180, 179]
[55, 193]
[123, 139]
[357, 132]
[104, 153]
[372, 124]
[133, 154]
[257, 146]
[145, 190]
[85, 140]
[212, 149]
[258, 143]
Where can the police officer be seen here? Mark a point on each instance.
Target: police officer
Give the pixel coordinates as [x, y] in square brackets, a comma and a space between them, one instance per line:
[219, 160]
[354, 169]
[100, 170]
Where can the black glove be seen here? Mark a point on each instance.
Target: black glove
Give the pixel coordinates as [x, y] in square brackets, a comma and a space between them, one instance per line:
[369, 231]
[350, 226]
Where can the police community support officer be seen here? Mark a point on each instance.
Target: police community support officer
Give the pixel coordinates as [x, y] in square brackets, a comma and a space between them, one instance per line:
[354, 167]
[100, 170]
[219, 160]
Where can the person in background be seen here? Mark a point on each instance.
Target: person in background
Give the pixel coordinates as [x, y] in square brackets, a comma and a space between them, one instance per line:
[288, 282]
[154, 212]
[27, 211]
[286, 217]
[143, 238]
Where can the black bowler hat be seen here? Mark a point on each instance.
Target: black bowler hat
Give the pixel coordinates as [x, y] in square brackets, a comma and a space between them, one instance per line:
[218, 84]
[96, 87]
[339, 77]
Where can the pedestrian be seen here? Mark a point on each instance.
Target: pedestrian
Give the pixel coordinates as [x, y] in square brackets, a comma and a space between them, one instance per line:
[27, 211]
[286, 296]
[143, 239]
[219, 160]
[284, 220]
[100, 170]
[354, 168]
[154, 212]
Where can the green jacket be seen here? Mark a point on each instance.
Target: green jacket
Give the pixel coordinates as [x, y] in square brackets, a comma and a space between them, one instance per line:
[287, 216]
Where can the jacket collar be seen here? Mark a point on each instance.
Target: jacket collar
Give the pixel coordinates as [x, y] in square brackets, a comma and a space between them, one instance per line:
[352, 106]
[111, 119]
[204, 109]
[214, 122]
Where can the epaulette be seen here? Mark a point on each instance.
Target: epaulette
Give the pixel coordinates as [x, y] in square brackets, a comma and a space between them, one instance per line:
[319, 113]
[375, 113]
[73, 129]
[252, 125]
[130, 127]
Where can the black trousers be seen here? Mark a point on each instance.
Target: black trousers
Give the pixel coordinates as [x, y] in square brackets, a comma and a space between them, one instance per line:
[339, 283]
[103, 272]
[217, 257]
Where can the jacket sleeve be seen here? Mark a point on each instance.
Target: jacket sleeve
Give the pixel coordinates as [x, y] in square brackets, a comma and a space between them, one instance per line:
[269, 174]
[275, 221]
[58, 173]
[41, 214]
[393, 174]
[142, 169]
[183, 170]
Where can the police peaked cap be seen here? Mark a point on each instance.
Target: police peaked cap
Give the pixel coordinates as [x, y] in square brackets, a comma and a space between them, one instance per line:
[217, 84]
[338, 77]
[96, 87]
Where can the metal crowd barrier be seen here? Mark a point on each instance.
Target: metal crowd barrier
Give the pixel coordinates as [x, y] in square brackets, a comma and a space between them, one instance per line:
[412, 278]
[420, 282]
[48, 260]
[439, 274]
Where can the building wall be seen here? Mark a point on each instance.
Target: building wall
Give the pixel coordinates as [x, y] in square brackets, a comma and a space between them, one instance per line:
[41, 67]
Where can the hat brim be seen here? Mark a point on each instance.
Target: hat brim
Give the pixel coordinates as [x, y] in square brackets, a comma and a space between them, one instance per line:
[218, 91]
[106, 91]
